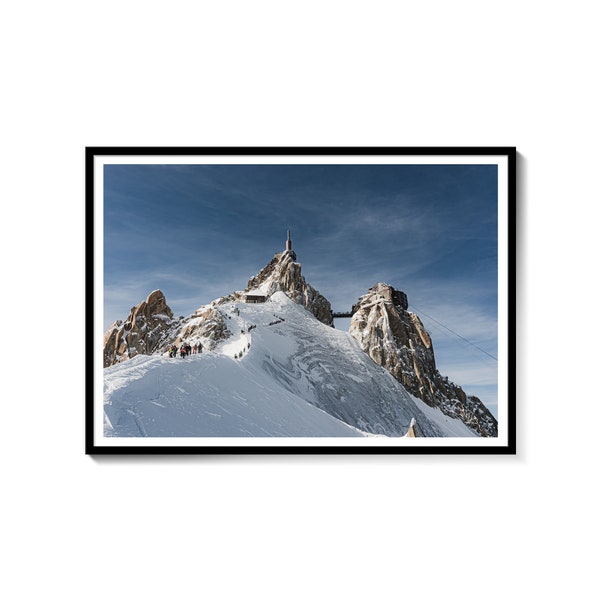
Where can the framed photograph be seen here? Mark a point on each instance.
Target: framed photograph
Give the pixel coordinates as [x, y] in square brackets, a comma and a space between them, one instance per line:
[300, 300]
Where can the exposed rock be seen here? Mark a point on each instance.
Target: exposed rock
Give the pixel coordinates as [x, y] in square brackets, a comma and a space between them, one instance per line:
[397, 340]
[206, 326]
[284, 274]
[151, 328]
[142, 332]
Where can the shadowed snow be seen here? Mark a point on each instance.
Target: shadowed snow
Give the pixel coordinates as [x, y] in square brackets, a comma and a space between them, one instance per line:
[294, 376]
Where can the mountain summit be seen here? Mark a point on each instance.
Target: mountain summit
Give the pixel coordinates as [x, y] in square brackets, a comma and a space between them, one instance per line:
[284, 274]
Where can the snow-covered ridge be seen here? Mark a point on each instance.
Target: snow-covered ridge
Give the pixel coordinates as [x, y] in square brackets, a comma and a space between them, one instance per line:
[280, 372]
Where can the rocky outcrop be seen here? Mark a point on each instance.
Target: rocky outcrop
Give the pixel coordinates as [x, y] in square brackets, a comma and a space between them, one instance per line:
[206, 326]
[144, 330]
[396, 339]
[284, 274]
[150, 328]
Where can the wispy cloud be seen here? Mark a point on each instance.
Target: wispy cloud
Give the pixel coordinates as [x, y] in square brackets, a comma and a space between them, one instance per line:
[198, 233]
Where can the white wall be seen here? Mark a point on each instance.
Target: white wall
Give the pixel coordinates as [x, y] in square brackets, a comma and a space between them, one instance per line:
[303, 73]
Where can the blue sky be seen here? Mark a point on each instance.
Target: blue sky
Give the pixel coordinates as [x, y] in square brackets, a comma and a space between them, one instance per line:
[198, 232]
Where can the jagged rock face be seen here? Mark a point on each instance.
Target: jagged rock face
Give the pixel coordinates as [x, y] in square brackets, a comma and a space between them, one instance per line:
[206, 326]
[142, 332]
[151, 328]
[284, 274]
[396, 339]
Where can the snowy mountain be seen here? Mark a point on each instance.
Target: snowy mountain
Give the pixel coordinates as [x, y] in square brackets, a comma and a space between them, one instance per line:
[293, 376]
[271, 364]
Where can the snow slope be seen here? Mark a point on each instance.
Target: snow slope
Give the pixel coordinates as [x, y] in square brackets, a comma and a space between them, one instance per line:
[295, 377]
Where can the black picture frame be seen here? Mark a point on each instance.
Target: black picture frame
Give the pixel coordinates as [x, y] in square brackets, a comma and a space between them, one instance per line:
[96, 157]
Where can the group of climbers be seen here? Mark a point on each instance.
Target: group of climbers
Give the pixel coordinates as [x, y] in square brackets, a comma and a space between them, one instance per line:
[184, 350]
[242, 351]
